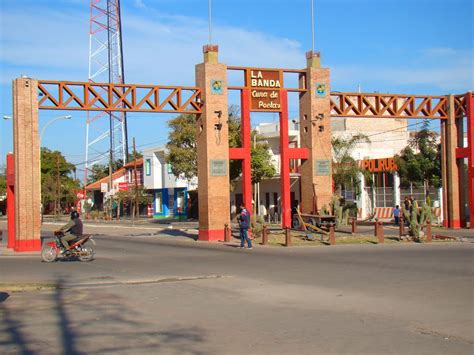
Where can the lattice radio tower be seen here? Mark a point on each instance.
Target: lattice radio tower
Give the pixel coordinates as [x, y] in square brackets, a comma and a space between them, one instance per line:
[105, 66]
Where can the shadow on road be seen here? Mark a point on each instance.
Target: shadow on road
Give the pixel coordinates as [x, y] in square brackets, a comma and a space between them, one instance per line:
[3, 296]
[79, 320]
[11, 335]
[178, 233]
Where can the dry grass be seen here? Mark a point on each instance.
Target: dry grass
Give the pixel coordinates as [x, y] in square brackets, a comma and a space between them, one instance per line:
[26, 287]
[299, 239]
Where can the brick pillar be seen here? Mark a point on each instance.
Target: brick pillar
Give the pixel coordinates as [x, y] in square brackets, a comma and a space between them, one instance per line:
[27, 165]
[11, 200]
[213, 147]
[315, 134]
[451, 182]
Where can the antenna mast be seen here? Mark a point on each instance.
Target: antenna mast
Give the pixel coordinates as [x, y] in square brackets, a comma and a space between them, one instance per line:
[105, 66]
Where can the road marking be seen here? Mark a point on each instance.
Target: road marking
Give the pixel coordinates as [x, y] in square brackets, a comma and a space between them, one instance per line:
[142, 282]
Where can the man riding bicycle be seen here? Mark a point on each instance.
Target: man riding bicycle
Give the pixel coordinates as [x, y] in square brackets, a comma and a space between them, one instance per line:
[72, 230]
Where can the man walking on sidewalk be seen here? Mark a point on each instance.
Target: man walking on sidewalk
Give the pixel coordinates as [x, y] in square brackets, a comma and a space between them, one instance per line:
[244, 224]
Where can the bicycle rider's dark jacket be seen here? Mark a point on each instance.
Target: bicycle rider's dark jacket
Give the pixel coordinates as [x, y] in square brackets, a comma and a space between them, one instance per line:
[73, 227]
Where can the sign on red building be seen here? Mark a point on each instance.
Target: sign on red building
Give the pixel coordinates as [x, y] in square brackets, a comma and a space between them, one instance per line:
[123, 186]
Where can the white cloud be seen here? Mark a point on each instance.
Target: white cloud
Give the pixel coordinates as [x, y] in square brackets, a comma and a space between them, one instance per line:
[41, 46]
[168, 48]
[163, 49]
[439, 52]
[444, 69]
[159, 49]
[140, 4]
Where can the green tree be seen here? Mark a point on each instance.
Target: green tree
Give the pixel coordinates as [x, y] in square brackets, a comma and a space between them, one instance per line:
[57, 185]
[235, 140]
[134, 196]
[3, 184]
[262, 168]
[182, 149]
[97, 172]
[261, 165]
[345, 170]
[420, 162]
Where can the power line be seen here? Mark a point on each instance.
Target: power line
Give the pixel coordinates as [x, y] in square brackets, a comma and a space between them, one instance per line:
[99, 155]
[396, 129]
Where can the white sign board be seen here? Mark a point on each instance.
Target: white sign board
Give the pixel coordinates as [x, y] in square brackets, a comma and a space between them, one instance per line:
[104, 187]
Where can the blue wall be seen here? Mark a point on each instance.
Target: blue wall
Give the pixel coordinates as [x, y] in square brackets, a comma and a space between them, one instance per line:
[165, 208]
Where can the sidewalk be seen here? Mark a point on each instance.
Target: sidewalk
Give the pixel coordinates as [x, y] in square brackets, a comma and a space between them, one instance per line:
[128, 222]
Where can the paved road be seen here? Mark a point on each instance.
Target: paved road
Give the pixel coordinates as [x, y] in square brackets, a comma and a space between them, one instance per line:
[168, 295]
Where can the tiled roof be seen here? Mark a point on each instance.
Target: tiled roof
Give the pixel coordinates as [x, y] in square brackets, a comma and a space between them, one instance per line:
[117, 175]
[132, 163]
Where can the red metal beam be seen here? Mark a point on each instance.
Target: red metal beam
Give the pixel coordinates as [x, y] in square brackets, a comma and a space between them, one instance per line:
[237, 153]
[246, 150]
[285, 163]
[470, 154]
[89, 96]
[462, 153]
[298, 153]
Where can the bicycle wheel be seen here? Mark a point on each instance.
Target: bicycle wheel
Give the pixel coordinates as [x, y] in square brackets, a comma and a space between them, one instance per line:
[48, 254]
[86, 254]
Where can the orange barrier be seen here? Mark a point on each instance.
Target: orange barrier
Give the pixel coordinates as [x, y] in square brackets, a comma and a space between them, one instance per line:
[436, 211]
[383, 212]
[387, 212]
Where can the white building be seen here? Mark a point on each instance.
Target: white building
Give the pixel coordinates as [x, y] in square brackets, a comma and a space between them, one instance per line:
[170, 194]
[387, 138]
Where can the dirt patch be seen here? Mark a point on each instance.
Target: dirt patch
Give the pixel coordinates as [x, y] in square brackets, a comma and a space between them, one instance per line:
[26, 287]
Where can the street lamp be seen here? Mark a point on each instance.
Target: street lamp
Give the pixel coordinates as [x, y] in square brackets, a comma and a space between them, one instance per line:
[67, 117]
[51, 121]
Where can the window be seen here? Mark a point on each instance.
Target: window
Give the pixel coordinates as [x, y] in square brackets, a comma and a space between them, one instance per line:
[148, 167]
[180, 201]
[158, 202]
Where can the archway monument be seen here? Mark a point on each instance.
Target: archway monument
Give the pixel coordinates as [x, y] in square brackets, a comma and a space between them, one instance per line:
[263, 90]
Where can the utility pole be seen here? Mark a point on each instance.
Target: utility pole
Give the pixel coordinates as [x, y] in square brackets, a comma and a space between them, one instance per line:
[110, 179]
[58, 184]
[135, 209]
[105, 66]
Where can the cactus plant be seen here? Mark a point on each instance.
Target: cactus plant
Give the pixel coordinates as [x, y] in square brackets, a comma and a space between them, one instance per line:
[257, 223]
[324, 211]
[345, 220]
[340, 211]
[418, 218]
